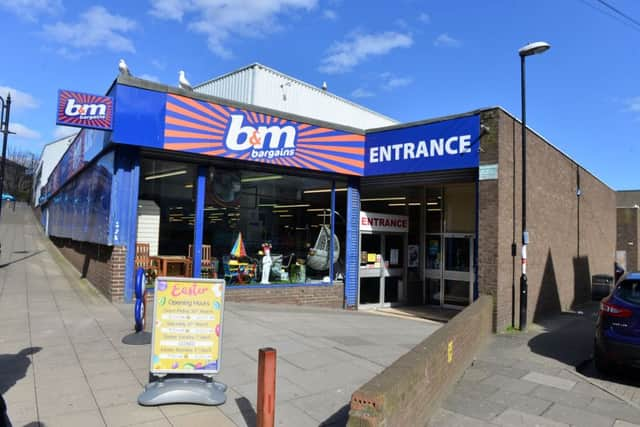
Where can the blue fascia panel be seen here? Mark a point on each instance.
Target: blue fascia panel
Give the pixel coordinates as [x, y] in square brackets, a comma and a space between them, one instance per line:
[139, 116]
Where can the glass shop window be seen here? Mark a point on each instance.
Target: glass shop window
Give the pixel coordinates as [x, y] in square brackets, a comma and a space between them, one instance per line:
[251, 215]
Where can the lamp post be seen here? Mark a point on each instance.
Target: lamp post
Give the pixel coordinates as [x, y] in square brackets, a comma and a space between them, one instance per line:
[528, 50]
[4, 129]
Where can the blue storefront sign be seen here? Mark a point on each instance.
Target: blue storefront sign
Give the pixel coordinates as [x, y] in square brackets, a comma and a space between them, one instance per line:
[84, 110]
[450, 144]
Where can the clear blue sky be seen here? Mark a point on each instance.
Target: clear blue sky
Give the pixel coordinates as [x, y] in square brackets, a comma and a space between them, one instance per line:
[407, 59]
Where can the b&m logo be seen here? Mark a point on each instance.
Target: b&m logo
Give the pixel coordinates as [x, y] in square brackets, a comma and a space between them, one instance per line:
[264, 140]
[84, 110]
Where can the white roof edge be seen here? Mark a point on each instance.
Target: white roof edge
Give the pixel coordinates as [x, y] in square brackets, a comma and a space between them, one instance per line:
[539, 135]
[55, 141]
[303, 83]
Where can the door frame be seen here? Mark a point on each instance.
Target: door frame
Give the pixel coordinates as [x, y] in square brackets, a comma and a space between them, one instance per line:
[442, 273]
[382, 270]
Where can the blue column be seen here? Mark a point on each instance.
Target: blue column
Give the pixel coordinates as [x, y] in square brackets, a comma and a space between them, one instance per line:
[124, 209]
[352, 240]
[333, 229]
[198, 225]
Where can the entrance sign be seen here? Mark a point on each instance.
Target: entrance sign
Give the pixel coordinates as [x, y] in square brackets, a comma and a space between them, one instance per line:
[379, 222]
[448, 144]
[84, 110]
[186, 339]
[187, 326]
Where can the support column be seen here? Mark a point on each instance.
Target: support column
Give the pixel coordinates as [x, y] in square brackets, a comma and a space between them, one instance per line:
[352, 257]
[124, 203]
[198, 226]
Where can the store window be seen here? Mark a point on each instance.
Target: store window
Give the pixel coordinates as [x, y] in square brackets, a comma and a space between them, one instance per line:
[248, 213]
[166, 209]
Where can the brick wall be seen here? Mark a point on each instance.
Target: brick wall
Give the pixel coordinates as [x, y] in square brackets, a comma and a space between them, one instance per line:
[415, 384]
[102, 265]
[571, 238]
[321, 296]
[628, 232]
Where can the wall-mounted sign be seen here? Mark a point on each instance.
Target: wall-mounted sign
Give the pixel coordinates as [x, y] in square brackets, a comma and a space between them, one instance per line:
[379, 222]
[448, 144]
[218, 130]
[187, 326]
[84, 110]
[487, 172]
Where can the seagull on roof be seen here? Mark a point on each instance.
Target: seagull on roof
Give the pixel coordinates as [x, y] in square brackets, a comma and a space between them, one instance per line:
[124, 69]
[183, 83]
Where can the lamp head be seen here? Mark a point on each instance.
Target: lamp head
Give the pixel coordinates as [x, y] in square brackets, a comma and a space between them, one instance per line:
[534, 48]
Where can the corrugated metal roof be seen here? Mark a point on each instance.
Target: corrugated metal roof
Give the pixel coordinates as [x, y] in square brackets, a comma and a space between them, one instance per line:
[257, 84]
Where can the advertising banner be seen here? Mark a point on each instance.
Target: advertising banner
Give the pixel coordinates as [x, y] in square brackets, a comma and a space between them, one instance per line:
[84, 110]
[448, 144]
[187, 326]
[379, 222]
[212, 129]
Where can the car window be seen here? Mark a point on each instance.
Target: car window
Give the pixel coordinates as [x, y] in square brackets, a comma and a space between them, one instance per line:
[629, 290]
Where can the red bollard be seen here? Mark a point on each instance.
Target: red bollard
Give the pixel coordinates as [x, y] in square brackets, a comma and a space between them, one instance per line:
[266, 410]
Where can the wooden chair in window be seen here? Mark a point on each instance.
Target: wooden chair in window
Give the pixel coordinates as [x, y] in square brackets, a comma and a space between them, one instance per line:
[142, 256]
[208, 266]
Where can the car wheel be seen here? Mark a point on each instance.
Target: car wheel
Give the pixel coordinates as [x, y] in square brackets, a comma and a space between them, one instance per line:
[602, 365]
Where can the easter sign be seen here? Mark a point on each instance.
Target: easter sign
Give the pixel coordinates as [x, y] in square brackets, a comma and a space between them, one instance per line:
[187, 326]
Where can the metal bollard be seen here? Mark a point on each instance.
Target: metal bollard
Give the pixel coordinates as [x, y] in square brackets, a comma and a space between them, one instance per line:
[266, 410]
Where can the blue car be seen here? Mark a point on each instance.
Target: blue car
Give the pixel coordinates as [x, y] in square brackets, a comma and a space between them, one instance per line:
[9, 197]
[617, 339]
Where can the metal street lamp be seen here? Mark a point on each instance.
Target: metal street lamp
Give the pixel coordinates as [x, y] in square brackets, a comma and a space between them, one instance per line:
[4, 129]
[528, 50]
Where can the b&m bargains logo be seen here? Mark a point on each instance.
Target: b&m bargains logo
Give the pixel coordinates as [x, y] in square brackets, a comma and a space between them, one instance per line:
[84, 110]
[264, 141]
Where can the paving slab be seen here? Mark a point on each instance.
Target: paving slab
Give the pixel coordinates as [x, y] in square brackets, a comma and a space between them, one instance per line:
[515, 418]
[577, 417]
[548, 380]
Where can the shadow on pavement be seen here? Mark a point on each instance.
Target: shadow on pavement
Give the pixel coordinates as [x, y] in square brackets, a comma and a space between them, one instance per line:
[568, 339]
[339, 418]
[15, 367]
[21, 259]
[247, 410]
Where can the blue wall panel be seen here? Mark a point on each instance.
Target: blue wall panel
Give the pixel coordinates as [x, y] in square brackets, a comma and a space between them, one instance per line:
[139, 117]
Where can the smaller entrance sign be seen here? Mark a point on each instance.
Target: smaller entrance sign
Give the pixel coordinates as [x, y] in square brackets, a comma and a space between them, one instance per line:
[379, 222]
[187, 326]
[84, 110]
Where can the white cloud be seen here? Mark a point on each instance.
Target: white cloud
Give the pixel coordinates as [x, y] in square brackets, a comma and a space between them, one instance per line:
[425, 18]
[31, 9]
[633, 104]
[62, 131]
[357, 47]
[393, 82]
[96, 28]
[19, 100]
[22, 131]
[220, 20]
[149, 77]
[160, 65]
[329, 14]
[362, 93]
[445, 40]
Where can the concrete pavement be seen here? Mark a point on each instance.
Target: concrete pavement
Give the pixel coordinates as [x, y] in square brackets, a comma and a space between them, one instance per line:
[62, 361]
[530, 379]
